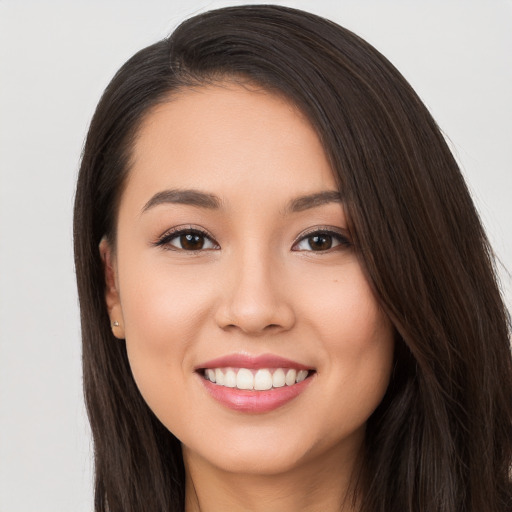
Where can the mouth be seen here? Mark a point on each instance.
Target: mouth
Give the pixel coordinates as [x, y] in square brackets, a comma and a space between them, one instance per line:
[254, 384]
[255, 379]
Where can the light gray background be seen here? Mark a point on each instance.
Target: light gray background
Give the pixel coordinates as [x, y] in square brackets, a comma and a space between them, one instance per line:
[55, 60]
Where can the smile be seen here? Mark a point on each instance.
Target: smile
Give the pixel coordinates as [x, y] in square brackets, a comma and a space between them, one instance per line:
[261, 379]
[254, 384]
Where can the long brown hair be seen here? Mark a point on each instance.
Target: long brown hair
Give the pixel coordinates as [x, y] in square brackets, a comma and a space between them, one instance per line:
[441, 439]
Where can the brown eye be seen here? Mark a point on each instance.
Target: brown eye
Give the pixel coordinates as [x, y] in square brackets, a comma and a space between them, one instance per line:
[187, 240]
[321, 241]
[191, 241]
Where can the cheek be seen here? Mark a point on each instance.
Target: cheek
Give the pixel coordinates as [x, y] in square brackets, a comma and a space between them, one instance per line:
[163, 313]
[163, 304]
[343, 309]
[359, 338]
[356, 339]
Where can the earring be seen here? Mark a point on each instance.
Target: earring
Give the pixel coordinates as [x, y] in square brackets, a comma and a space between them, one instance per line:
[118, 333]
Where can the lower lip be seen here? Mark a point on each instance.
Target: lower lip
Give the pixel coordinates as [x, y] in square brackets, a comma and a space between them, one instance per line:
[250, 401]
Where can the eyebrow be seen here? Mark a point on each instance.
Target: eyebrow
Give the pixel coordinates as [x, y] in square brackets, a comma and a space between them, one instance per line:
[200, 199]
[302, 203]
[189, 196]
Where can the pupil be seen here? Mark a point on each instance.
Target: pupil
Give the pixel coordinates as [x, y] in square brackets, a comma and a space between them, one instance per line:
[320, 242]
[191, 241]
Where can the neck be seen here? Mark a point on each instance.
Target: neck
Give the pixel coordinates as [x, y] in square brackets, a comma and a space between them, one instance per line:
[324, 484]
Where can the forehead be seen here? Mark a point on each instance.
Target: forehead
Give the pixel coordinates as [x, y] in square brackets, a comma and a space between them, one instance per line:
[228, 139]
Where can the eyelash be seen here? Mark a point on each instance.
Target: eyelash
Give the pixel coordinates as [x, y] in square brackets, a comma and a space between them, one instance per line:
[165, 240]
[343, 241]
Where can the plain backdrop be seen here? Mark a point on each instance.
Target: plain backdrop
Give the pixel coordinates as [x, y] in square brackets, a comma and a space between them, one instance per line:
[55, 60]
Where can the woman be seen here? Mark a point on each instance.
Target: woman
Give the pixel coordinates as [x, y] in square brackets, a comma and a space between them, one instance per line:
[288, 301]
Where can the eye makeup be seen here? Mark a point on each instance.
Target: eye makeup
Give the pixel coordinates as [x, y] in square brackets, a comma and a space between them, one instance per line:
[192, 239]
[187, 238]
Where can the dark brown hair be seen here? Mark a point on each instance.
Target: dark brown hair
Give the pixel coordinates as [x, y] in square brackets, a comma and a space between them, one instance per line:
[441, 439]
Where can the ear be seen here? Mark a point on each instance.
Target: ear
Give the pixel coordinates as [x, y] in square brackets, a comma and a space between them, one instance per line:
[112, 298]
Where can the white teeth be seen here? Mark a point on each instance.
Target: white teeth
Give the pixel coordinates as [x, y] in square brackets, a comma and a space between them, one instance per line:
[219, 377]
[291, 375]
[278, 379]
[301, 375]
[259, 380]
[244, 379]
[262, 380]
[230, 379]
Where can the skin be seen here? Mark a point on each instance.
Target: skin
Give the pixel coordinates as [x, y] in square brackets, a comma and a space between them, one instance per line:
[257, 288]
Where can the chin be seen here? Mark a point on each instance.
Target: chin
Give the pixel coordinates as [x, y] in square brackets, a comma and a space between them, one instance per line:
[267, 451]
[255, 460]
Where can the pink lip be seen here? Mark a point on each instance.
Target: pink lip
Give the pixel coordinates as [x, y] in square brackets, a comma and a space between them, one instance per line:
[252, 362]
[249, 401]
[255, 401]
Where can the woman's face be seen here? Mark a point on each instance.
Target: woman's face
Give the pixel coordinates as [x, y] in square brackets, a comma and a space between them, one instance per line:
[234, 264]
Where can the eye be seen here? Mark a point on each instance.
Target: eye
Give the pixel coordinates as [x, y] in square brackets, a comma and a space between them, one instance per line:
[321, 240]
[189, 239]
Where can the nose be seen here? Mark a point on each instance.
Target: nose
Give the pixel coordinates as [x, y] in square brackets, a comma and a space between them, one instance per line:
[254, 299]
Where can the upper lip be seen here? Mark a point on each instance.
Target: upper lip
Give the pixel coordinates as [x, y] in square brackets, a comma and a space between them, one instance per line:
[252, 362]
